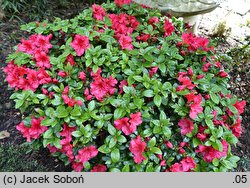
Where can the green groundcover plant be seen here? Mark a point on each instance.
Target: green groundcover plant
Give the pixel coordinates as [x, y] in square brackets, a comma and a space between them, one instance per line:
[121, 87]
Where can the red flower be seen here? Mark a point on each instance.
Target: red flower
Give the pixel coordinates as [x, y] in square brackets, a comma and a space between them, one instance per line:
[125, 42]
[195, 104]
[152, 71]
[99, 168]
[206, 67]
[101, 87]
[70, 59]
[128, 126]
[80, 44]
[153, 20]
[62, 74]
[98, 12]
[82, 76]
[135, 119]
[176, 167]
[77, 166]
[34, 131]
[137, 147]
[119, 3]
[209, 153]
[236, 128]
[168, 28]
[43, 42]
[186, 165]
[143, 37]
[122, 83]
[186, 125]
[26, 46]
[240, 106]
[222, 74]
[87, 95]
[123, 125]
[168, 144]
[42, 60]
[86, 154]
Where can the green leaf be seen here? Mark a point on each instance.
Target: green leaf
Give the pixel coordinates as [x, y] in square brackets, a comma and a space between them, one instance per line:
[167, 132]
[75, 112]
[118, 113]
[233, 109]
[148, 93]
[61, 112]
[126, 168]
[115, 155]
[56, 143]
[152, 142]
[91, 105]
[111, 129]
[214, 98]
[218, 145]
[156, 150]
[157, 100]
[162, 67]
[77, 134]
[48, 133]
[112, 142]
[104, 149]
[209, 123]
[48, 122]
[19, 103]
[121, 139]
[215, 162]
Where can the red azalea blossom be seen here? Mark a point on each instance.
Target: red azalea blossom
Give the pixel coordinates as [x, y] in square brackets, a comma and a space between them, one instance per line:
[169, 144]
[135, 119]
[186, 165]
[70, 59]
[20, 77]
[124, 125]
[87, 95]
[99, 168]
[137, 147]
[194, 104]
[143, 37]
[119, 3]
[82, 76]
[122, 83]
[240, 106]
[34, 131]
[98, 12]
[80, 44]
[153, 20]
[152, 71]
[168, 28]
[236, 128]
[194, 43]
[125, 42]
[185, 82]
[222, 74]
[101, 87]
[128, 126]
[209, 153]
[77, 166]
[86, 154]
[186, 125]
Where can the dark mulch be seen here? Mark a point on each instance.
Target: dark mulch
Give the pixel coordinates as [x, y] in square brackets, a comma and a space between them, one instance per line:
[10, 117]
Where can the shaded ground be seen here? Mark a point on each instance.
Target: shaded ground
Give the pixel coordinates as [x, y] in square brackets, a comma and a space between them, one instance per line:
[9, 117]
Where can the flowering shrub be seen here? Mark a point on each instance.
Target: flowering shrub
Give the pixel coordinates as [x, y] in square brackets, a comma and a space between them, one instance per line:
[122, 88]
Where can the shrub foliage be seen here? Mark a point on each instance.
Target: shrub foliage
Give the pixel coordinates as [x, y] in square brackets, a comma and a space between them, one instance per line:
[121, 87]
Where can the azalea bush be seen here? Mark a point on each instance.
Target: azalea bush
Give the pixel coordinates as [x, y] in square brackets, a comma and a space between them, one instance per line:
[121, 87]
